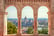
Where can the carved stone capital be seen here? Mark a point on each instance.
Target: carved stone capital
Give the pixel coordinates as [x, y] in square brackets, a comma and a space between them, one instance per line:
[3, 13]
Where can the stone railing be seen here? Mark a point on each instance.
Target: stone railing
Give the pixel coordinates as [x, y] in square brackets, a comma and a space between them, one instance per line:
[28, 35]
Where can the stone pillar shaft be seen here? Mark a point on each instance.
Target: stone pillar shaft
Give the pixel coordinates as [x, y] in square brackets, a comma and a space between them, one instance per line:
[5, 23]
[18, 25]
[2, 23]
[49, 23]
[19, 22]
[35, 20]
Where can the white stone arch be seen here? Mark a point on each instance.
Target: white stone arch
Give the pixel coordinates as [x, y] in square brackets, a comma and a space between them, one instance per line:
[28, 12]
[5, 16]
[42, 13]
[42, 10]
[27, 9]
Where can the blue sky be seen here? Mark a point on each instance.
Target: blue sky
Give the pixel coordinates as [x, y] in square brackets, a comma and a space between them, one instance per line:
[27, 11]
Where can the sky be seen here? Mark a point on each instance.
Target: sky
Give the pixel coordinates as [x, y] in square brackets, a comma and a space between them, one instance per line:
[12, 12]
[27, 11]
[42, 12]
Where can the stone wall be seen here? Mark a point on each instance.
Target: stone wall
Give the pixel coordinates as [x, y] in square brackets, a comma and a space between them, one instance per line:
[1, 5]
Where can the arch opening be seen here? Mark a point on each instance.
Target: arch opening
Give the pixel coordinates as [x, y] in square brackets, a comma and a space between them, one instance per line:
[27, 20]
[42, 20]
[11, 20]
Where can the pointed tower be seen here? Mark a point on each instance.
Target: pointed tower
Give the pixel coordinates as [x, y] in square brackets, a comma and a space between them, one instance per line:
[25, 18]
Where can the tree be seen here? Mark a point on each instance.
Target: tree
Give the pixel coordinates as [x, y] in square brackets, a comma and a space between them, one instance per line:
[11, 28]
[43, 31]
[30, 30]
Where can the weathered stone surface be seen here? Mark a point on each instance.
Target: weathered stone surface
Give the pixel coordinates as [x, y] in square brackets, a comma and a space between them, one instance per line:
[1, 25]
[52, 5]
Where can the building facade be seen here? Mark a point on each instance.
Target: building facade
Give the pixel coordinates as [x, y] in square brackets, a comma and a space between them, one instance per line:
[20, 4]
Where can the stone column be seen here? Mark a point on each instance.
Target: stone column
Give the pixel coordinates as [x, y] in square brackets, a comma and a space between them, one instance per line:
[5, 24]
[19, 23]
[35, 25]
[49, 23]
[1, 23]
[52, 17]
[35, 21]
[19, 26]
[52, 24]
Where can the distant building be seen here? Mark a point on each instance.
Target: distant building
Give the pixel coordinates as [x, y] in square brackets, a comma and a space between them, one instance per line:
[25, 20]
[26, 24]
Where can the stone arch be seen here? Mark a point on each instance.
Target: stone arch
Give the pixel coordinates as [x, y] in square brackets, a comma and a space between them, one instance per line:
[26, 7]
[12, 16]
[42, 14]
[6, 6]
[27, 12]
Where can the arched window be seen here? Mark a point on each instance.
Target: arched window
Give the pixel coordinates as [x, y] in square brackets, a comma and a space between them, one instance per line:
[27, 20]
[11, 20]
[42, 20]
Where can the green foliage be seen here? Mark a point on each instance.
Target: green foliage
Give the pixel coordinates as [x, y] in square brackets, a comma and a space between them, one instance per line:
[43, 31]
[11, 28]
[30, 30]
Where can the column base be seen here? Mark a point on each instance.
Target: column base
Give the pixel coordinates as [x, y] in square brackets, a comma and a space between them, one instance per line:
[18, 34]
[35, 34]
